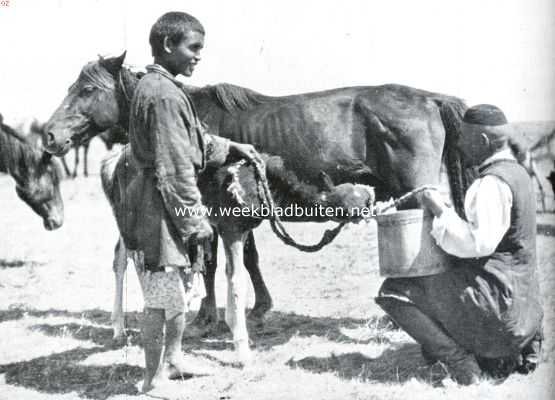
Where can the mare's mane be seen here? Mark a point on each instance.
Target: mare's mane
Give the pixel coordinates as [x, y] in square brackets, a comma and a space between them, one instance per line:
[230, 97]
[95, 74]
[234, 98]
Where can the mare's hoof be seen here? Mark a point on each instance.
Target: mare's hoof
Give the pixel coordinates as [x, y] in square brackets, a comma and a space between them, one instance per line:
[220, 328]
[196, 331]
[206, 316]
[207, 329]
[119, 340]
[258, 312]
[243, 353]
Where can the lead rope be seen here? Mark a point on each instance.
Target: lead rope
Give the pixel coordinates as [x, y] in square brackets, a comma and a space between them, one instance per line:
[277, 225]
[265, 195]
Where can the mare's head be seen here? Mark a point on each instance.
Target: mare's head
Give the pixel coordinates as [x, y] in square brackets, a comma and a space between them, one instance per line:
[37, 176]
[93, 104]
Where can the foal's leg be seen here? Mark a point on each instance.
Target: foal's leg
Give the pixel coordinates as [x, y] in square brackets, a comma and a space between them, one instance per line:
[236, 293]
[121, 257]
[119, 267]
[208, 314]
[263, 300]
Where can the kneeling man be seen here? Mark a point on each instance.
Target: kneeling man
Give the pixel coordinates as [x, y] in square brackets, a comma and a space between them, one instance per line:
[484, 313]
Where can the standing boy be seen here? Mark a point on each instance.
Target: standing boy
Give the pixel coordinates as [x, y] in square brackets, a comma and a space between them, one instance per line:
[170, 146]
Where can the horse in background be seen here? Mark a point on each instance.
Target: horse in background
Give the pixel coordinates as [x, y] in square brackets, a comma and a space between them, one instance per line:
[110, 137]
[37, 176]
[526, 159]
[392, 137]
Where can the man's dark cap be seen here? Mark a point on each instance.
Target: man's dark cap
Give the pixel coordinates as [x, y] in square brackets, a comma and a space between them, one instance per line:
[485, 114]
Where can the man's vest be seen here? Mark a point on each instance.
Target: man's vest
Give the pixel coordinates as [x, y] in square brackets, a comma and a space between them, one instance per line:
[513, 262]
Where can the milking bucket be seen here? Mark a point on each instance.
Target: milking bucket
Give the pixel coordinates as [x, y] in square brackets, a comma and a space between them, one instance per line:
[406, 247]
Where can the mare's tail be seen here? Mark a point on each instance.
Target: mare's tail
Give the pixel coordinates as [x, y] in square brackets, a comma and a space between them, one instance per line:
[460, 176]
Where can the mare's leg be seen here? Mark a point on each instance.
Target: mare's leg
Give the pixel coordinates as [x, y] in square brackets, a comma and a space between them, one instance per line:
[208, 313]
[76, 164]
[66, 168]
[119, 267]
[263, 300]
[86, 159]
[236, 292]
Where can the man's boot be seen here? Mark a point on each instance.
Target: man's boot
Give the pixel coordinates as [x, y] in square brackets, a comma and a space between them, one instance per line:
[461, 365]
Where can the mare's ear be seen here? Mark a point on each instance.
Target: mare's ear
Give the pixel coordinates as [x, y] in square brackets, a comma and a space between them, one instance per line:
[1, 119]
[37, 127]
[113, 64]
[326, 181]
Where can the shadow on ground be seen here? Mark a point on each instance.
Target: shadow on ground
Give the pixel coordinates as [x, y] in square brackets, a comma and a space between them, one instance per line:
[62, 373]
[396, 364]
[96, 316]
[8, 264]
[546, 229]
[279, 327]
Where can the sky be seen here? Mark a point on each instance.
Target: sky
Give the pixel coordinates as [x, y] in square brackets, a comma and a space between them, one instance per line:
[484, 51]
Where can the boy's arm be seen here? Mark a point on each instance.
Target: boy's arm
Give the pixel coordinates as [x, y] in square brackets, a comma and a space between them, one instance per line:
[217, 150]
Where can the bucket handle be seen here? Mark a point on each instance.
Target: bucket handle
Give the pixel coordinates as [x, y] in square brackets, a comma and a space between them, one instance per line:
[385, 206]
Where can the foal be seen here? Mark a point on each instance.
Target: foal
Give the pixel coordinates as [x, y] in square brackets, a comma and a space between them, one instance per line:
[228, 187]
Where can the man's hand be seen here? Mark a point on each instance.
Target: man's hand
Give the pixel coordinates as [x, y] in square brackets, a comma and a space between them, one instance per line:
[432, 199]
[244, 150]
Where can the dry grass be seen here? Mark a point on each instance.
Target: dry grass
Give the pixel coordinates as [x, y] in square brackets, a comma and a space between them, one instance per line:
[325, 338]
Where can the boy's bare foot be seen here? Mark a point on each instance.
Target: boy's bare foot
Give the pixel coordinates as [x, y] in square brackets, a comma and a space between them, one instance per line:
[163, 389]
[147, 386]
[179, 367]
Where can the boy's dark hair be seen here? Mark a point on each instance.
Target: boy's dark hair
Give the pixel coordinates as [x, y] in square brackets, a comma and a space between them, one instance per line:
[174, 25]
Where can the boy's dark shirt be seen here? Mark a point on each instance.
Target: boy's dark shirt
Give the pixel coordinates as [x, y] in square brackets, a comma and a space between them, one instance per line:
[169, 145]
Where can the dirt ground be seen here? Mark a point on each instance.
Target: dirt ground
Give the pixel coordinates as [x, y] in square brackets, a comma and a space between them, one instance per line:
[324, 339]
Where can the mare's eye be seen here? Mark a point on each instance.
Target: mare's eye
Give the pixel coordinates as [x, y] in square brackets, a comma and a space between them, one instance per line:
[88, 89]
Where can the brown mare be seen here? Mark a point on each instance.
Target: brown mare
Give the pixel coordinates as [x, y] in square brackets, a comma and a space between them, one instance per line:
[391, 137]
[36, 174]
